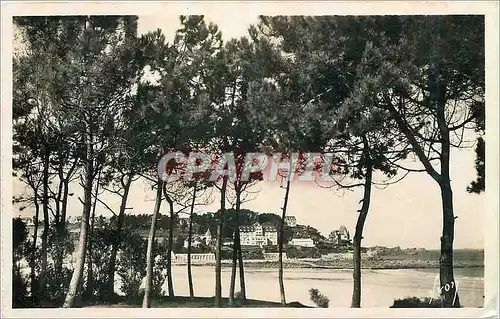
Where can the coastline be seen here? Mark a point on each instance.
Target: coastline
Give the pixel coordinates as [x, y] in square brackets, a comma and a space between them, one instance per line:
[374, 264]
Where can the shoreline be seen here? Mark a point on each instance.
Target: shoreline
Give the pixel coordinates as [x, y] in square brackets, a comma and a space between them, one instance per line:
[377, 264]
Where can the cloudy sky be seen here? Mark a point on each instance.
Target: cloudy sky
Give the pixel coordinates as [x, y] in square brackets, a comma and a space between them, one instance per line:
[407, 214]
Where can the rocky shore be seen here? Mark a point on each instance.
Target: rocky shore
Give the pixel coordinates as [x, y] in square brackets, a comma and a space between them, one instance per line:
[379, 263]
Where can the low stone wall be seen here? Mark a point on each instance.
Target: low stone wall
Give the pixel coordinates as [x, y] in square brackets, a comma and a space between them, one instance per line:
[201, 258]
[337, 256]
[273, 256]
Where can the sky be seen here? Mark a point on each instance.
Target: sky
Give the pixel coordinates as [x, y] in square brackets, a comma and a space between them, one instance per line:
[406, 214]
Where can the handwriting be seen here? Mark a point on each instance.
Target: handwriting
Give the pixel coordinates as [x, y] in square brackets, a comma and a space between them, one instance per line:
[447, 287]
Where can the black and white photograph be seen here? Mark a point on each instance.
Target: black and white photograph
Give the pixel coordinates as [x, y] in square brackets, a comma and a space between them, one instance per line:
[231, 156]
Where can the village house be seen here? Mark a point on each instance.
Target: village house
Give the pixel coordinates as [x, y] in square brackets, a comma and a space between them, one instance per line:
[290, 221]
[197, 239]
[340, 236]
[258, 235]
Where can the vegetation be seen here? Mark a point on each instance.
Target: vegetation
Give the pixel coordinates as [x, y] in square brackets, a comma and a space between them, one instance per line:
[318, 298]
[415, 302]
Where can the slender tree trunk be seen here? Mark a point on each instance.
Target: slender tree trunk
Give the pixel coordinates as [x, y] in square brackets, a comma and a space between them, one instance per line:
[46, 223]
[448, 286]
[237, 253]
[233, 271]
[89, 291]
[358, 234]
[110, 289]
[61, 227]
[170, 244]
[190, 238]
[218, 250]
[448, 289]
[241, 266]
[34, 282]
[280, 244]
[146, 302]
[87, 202]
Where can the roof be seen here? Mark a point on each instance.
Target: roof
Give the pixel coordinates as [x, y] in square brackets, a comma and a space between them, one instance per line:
[247, 229]
[343, 229]
[268, 227]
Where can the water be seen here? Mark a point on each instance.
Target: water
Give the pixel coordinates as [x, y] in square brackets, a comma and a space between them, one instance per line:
[379, 287]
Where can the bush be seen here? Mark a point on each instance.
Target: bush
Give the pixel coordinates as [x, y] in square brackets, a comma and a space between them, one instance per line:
[255, 253]
[318, 298]
[301, 252]
[57, 283]
[19, 289]
[416, 302]
[131, 264]
[102, 237]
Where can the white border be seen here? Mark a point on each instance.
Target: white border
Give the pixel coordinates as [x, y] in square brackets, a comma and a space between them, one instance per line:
[489, 8]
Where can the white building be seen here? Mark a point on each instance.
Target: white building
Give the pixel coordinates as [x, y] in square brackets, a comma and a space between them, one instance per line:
[290, 221]
[196, 240]
[258, 235]
[303, 242]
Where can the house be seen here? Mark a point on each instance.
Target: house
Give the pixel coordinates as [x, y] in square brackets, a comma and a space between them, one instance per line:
[302, 242]
[340, 236]
[258, 235]
[290, 221]
[196, 240]
[344, 234]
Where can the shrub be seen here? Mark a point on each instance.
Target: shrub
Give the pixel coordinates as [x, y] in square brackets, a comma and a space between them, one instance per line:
[57, 283]
[102, 237]
[318, 298]
[416, 302]
[19, 288]
[131, 264]
[254, 253]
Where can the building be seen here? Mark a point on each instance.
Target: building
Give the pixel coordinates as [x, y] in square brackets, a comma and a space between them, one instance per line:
[344, 234]
[196, 240]
[258, 235]
[340, 236]
[290, 221]
[303, 242]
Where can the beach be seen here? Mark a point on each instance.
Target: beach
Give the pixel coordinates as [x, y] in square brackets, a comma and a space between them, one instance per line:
[380, 287]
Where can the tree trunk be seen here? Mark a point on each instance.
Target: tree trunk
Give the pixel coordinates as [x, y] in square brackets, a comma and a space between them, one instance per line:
[358, 234]
[233, 271]
[61, 227]
[170, 245]
[448, 289]
[82, 243]
[280, 244]
[46, 223]
[149, 254]
[237, 253]
[34, 282]
[190, 238]
[89, 291]
[241, 266]
[110, 289]
[218, 250]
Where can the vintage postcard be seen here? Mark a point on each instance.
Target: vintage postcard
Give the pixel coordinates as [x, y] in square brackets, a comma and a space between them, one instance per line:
[250, 159]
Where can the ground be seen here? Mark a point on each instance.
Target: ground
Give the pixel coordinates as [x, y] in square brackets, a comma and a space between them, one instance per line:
[197, 302]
